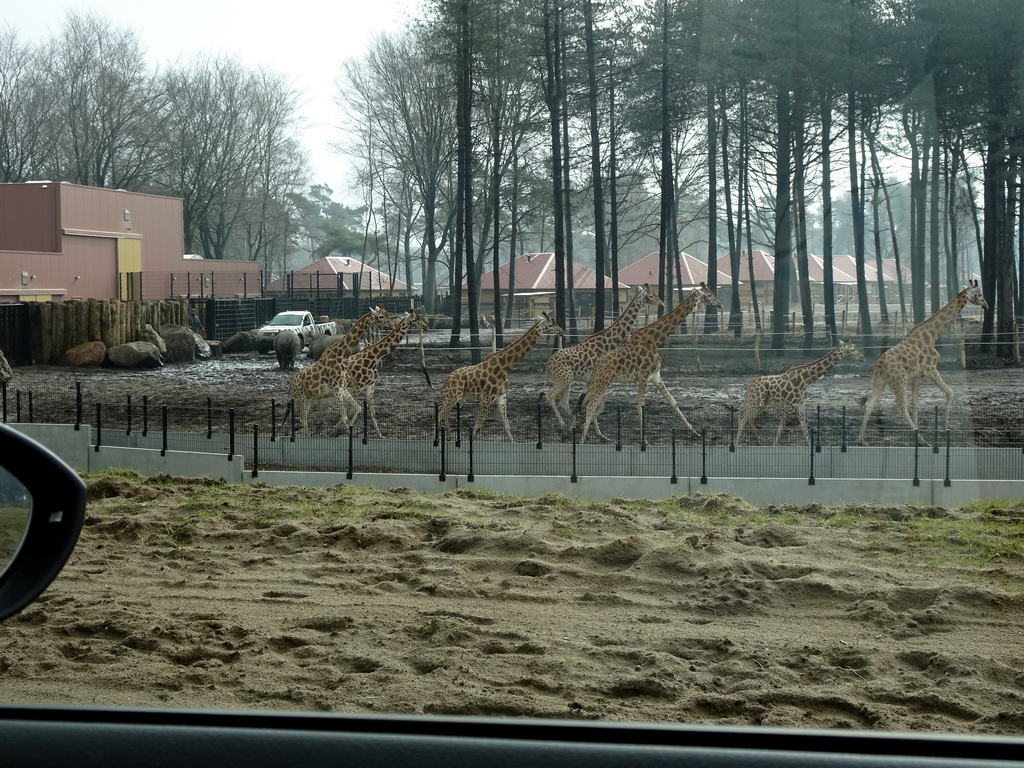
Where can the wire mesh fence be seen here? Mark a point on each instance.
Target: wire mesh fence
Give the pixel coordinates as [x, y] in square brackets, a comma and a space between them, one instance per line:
[651, 443]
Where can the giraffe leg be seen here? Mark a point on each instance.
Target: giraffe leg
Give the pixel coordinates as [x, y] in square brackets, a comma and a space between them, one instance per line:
[802, 418]
[782, 424]
[481, 415]
[559, 395]
[503, 412]
[935, 377]
[878, 384]
[373, 414]
[593, 404]
[656, 379]
[748, 415]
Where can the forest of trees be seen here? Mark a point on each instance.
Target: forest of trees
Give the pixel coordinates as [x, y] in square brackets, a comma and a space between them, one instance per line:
[599, 131]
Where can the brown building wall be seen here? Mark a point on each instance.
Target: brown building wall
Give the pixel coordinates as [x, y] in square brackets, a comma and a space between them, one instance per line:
[30, 217]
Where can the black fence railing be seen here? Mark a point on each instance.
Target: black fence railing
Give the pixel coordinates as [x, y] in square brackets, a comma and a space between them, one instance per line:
[655, 445]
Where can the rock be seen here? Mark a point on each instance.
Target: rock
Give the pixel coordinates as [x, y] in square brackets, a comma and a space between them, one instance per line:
[92, 353]
[135, 354]
[181, 343]
[216, 348]
[243, 341]
[203, 351]
[149, 334]
[5, 368]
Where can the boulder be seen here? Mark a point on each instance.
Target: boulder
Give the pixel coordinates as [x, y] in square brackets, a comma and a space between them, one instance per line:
[135, 354]
[148, 333]
[203, 351]
[243, 341]
[181, 343]
[92, 353]
[5, 368]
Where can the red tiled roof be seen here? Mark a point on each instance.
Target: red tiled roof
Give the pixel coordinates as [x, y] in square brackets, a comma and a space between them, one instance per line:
[645, 270]
[325, 271]
[536, 272]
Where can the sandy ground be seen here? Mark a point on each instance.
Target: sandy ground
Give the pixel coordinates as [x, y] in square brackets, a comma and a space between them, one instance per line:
[188, 593]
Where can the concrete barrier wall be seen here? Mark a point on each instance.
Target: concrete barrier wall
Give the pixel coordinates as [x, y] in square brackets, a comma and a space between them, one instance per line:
[146, 457]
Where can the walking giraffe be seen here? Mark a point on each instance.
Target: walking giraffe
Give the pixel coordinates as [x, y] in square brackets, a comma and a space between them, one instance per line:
[324, 378]
[789, 389]
[363, 368]
[916, 357]
[638, 361]
[577, 362]
[487, 381]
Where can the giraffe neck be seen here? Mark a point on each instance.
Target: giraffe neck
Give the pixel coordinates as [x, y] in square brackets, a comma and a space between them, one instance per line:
[381, 349]
[508, 357]
[619, 330]
[932, 328]
[654, 335]
[814, 370]
[350, 340]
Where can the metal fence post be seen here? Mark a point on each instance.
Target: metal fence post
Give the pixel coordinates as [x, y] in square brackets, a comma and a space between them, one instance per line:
[128, 431]
[444, 442]
[704, 456]
[458, 425]
[99, 426]
[145, 415]
[255, 450]
[817, 443]
[78, 406]
[935, 442]
[163, 418]
[209, 418]
[947, 482]
[470, 477]
[351, 452]
[231, 434]
[273, 420]
[810, 480]
[366, 421]
[618, 427]
[437, 423]
[575, 439]
[540, 423]
[842, 446]
[674, 479]
[917, 451]
[732, 428]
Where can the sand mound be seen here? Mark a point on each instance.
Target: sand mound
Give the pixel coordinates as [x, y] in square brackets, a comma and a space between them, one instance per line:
[694, 609]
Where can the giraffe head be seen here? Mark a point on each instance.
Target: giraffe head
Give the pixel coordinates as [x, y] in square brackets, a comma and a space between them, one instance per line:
[974, 295]
[649, 297]
[707, 297]
[848, 349]
[382, 319]
[548, 325]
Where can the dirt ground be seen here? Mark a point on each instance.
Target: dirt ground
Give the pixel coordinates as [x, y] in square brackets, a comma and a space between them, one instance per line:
[190, 593]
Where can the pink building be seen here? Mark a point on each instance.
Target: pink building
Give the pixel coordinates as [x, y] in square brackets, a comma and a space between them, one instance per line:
[62, 241]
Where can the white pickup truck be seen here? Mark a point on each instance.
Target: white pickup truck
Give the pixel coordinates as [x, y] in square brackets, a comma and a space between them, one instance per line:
[299, 321]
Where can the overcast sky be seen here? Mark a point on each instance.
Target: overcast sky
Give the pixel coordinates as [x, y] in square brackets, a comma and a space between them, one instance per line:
[304, 40]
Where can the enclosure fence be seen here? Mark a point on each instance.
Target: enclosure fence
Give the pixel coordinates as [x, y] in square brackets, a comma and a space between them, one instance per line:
[652, 444]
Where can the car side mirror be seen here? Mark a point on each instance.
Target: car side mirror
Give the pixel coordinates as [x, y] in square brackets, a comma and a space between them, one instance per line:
[42, 507]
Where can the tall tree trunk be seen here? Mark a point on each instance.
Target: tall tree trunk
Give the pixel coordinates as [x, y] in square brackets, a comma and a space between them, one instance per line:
[826, 217]
[600, 256]
[613, 196]
[711, 313]
[783, 234]
[863, 314]
[935, 272]
[553, 99]
[800, 218]
[735, 310]
[745, 204]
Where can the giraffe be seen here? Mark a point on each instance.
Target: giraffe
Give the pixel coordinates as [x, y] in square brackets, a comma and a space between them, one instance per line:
[324, 378]
[789, 389]
[363, 368]
[487, 381]
[638, 361]
[577, 362]
[916, 357]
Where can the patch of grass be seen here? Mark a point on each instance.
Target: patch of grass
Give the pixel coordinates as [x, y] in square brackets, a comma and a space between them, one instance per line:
[975, 542]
